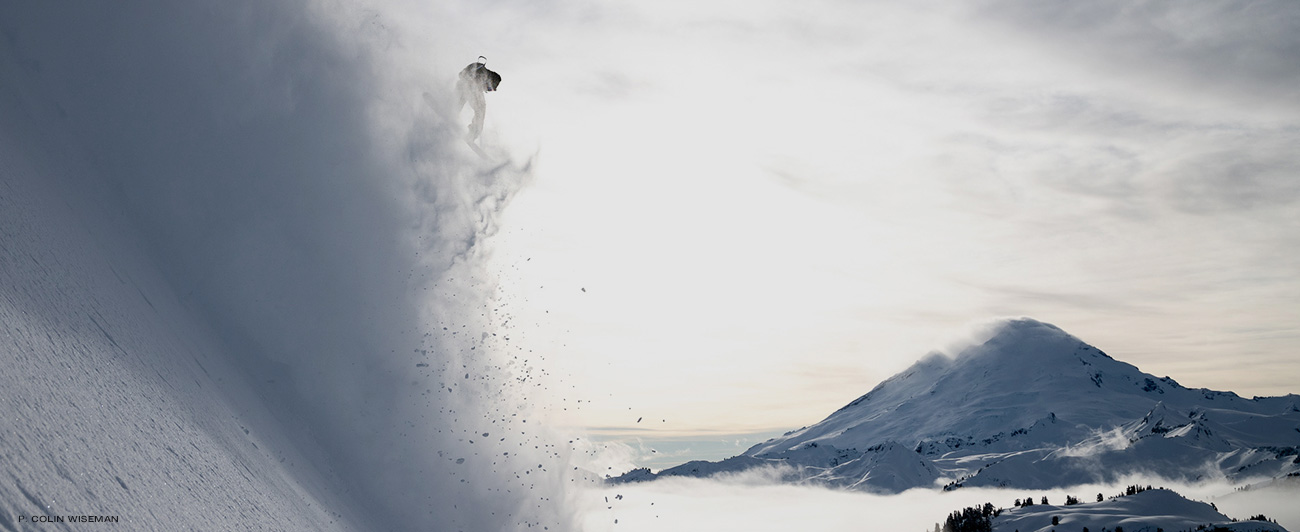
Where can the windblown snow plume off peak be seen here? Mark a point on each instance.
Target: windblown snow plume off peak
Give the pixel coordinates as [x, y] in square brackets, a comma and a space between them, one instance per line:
[298, 237]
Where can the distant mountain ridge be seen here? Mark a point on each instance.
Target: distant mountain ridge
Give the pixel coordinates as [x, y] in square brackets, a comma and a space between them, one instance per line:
[1032, 407]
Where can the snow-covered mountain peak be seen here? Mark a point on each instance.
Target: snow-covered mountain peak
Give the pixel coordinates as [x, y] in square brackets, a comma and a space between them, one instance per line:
[1033, 406]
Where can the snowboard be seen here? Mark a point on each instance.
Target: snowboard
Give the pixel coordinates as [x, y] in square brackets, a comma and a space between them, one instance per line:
[433, 104]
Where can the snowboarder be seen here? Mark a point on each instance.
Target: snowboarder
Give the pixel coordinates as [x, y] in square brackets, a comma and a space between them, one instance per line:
[475, 81]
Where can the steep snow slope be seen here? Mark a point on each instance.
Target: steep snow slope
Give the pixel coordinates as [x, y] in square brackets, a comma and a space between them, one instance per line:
[115, 401]
[241, 278]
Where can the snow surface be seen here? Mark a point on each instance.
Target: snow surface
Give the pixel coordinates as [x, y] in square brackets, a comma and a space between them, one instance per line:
[242, 283]
[1146, 511]
[117, 402]
[1034, 407]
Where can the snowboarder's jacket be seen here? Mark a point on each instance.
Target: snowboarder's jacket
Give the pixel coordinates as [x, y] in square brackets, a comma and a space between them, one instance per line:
[477, 76]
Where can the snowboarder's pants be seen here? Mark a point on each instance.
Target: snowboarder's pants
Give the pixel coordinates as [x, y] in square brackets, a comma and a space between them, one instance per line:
[477, 102]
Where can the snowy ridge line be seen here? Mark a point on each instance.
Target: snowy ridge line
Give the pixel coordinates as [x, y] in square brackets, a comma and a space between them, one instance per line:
[1137, 509]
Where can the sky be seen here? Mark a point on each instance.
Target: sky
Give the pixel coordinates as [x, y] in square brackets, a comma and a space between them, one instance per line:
[744, 215]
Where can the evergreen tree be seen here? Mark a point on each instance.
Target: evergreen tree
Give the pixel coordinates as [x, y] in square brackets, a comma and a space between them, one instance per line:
[973, 519]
